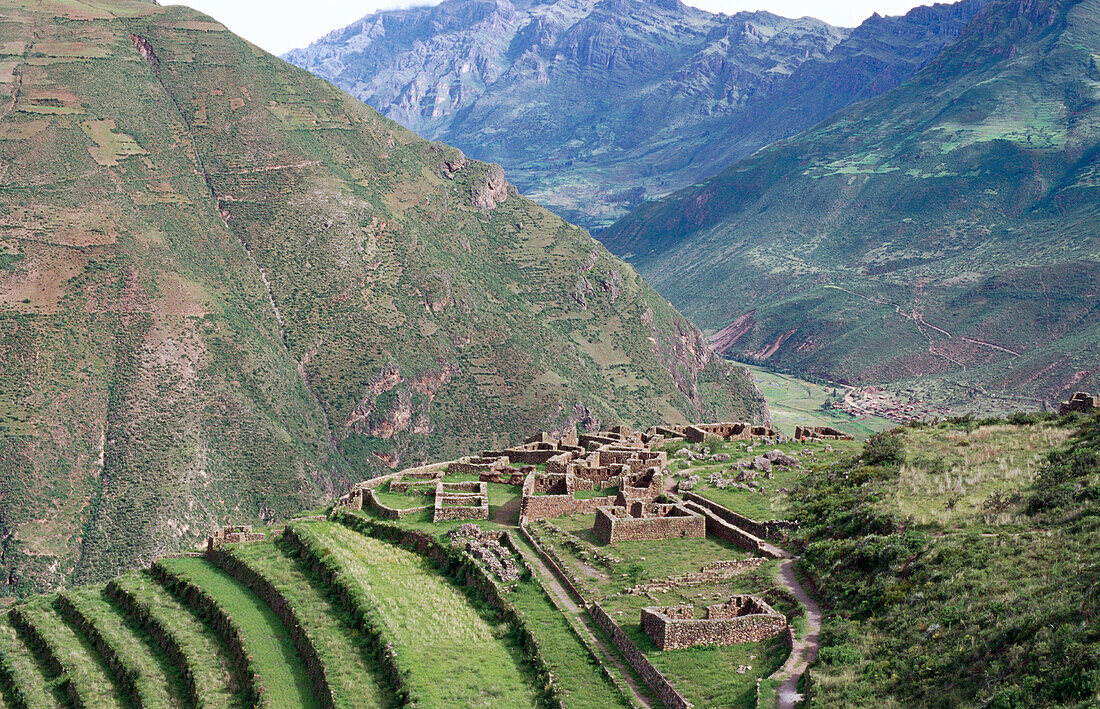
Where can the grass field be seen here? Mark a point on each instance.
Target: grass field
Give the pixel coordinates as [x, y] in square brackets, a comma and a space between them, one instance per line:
[451, 654]
[797, 402]
[264, 636]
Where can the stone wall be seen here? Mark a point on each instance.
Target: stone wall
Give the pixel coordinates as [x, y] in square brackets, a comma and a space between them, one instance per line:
[714, 571]
[535, 507]
[371, 503]
[768, 529]
[648, 522]
[742, 619]
[1082, 402]
[826, 433]
[464, 500]
[720, 528]
[654, 678]
[474, 465]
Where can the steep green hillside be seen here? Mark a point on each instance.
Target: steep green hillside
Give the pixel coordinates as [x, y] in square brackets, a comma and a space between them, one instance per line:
[942, 235]
[228, 289]
[959, 566]
[595, 105]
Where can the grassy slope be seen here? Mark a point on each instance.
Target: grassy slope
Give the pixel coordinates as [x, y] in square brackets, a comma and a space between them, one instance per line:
[229, 289]
[204, 655]
[449, 653]
[354, 680]
[265, 638]
[897, 237]
[960, 604]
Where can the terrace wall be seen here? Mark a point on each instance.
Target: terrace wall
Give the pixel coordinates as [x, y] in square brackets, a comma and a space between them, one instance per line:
[654, 678]
[535, 507]
[769, 529]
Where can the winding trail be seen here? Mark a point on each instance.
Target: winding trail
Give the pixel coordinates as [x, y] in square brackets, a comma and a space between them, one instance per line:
[803, 650]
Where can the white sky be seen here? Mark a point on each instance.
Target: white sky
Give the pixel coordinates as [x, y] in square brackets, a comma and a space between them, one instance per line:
[281, 25]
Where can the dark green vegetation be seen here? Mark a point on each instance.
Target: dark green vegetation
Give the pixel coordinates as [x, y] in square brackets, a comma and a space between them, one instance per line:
[942, 236]
[956, 572]
[228, 290]
[593, 106]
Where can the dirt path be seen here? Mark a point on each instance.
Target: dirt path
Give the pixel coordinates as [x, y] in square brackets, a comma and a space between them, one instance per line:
[566, 604]
[805, 649]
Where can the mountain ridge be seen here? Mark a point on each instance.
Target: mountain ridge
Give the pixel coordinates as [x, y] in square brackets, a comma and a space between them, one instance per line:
[229, 290]
[943, 231]
[593, 106]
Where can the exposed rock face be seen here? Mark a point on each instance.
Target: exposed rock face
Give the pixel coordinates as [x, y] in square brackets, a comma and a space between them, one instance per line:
[593, 105]
[491, 190]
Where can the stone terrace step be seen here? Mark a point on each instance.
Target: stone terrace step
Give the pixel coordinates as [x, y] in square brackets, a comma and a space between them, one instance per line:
[281, 675]
[200, 657]
[22, 680]
[136, 668]
[67, 654]
[355, 682]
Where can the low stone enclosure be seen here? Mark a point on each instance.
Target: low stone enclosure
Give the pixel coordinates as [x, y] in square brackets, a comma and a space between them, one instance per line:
[741, 619]
[824, 433]
[1081, 402]
[648, 521]
[464, 500]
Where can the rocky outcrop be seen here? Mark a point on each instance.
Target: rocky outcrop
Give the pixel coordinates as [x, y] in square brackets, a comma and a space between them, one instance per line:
[490, 190]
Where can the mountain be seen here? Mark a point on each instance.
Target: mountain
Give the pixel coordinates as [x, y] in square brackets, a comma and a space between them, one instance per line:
[942, 236]
[228, 289]
[594, 105]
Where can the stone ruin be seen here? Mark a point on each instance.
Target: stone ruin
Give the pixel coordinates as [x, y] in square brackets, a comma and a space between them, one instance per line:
[643, 521]
[1081, 402]
[730, 431]
[742, 619]
[465, 500]
[820, 433]
[486, 548]
[234, 534]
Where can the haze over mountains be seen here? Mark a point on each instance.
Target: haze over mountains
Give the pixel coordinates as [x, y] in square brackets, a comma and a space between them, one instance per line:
[944, 234]
[594, 105]
[228, 289]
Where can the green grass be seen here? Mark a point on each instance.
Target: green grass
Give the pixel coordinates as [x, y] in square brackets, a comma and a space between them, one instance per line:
[354, 680]
[81, 667]
[28, 686]
[264, 637]
[140, 670]
[204, 656]
[451, 655]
